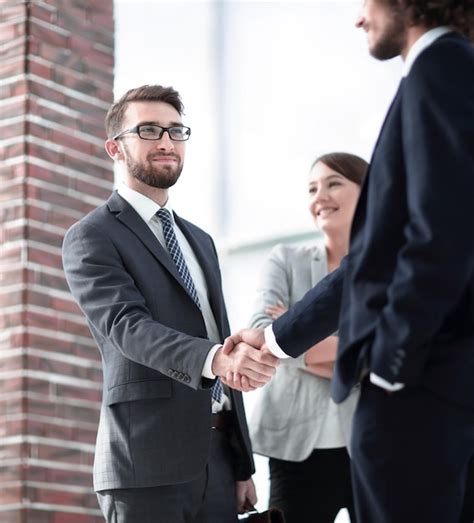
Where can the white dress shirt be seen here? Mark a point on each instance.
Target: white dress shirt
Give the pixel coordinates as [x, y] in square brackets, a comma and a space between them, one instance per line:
[147, 209]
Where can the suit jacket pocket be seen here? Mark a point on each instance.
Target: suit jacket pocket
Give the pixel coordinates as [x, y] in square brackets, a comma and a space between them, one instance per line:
[139, 390]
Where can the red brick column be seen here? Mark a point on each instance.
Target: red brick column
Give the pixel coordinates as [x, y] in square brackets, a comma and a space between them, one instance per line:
[56, 76]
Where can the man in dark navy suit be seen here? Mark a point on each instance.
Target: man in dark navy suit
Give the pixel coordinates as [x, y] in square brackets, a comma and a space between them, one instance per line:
[403, 298]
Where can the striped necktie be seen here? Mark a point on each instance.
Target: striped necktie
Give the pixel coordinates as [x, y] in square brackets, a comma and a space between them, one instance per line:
[177, 256]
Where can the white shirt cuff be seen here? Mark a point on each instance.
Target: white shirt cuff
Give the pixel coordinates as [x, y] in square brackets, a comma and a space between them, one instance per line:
[272, 344]
[384, 384]
[207, 369]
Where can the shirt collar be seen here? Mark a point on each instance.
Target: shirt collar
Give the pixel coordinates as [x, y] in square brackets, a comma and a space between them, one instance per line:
[144, 206]
[421, 44]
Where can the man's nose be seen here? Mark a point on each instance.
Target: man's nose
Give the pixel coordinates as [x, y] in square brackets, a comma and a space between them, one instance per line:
[165, 142]
[360, 20]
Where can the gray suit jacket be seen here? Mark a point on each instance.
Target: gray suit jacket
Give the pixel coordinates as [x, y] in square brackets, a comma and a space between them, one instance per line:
[289, 411]
[156, 412]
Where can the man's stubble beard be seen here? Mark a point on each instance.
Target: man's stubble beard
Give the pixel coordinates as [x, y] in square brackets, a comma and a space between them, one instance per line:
[393, 39]
[161, 177]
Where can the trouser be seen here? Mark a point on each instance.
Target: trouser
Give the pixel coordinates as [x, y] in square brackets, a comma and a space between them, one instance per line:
[410, 456]
[210, 498]
[467, 515]
[313, 490]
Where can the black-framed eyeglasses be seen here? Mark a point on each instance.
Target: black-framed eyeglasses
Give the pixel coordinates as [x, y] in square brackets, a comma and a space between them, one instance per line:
[177, 133]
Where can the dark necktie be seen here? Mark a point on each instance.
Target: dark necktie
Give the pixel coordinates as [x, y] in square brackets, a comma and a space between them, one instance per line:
[177, 256]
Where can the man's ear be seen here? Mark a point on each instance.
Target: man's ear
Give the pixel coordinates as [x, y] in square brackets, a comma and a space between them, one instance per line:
[113, 149]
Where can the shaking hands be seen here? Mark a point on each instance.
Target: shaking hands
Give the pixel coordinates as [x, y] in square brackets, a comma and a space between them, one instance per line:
[244, 362]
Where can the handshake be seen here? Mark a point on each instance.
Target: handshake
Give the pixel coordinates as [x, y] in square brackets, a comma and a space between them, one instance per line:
[244, 362]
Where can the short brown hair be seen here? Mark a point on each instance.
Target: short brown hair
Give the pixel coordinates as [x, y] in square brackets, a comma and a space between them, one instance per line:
[458, 14]
[145, 93]
[352, 167]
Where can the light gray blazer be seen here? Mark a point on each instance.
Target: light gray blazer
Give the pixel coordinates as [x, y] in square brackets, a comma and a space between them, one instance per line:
[289, 411]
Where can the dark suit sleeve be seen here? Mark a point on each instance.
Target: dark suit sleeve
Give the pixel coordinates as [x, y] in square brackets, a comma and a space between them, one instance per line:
[314, 317]
[436, 263]
[116, 309]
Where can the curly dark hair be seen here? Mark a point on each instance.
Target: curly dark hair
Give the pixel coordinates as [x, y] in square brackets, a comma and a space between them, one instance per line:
[458, 14]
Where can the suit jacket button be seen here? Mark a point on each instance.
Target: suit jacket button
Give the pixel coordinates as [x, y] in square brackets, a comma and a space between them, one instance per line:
[187, 379]
[170, 372]
[395, 369]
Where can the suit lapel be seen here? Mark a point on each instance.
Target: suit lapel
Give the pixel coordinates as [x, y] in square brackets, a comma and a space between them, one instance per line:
[392, 105]
[359, 215]
[127, 215]
[208, 265]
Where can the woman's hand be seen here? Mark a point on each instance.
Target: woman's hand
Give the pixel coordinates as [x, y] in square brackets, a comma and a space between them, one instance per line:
[323, 370]
[275, 311]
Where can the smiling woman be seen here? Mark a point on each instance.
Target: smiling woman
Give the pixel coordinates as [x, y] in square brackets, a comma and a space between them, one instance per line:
[295, 422]
[334, 186]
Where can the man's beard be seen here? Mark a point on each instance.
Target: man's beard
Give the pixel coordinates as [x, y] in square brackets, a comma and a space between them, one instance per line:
[159, 176]
[393, 40]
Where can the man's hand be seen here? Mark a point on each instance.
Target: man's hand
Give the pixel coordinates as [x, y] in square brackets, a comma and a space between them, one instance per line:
[243, 360]
[246, 495]
[253, 337]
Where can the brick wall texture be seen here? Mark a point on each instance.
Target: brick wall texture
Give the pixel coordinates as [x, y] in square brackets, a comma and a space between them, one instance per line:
[56, 78]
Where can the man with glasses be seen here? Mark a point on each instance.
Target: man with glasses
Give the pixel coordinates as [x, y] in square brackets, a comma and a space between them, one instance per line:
[172, 443]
